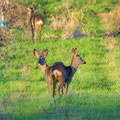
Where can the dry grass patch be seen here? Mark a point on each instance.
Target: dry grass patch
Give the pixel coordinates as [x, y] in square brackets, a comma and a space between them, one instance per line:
[47, 36]
[110, 43]
[111, 20]
[5, 35]
[15, 15]
[66, 22]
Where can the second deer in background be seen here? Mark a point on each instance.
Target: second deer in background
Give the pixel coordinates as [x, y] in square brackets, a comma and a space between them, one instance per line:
[36, 22]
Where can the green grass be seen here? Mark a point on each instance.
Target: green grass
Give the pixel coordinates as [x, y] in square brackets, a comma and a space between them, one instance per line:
[94, 90]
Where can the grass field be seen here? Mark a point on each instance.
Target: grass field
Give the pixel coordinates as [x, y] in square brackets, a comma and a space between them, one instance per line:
[94, 93]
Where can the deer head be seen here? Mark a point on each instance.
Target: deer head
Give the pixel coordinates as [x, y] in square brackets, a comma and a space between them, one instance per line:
[76, 60]
[41, 57]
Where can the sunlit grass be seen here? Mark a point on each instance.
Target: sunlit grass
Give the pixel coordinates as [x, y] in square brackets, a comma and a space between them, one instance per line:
[94, 90]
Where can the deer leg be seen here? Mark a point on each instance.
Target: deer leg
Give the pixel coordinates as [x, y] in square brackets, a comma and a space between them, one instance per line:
[33, 35]
[66, 88]
[60, 85]
[61, 90]
[54, 88]
[40, 32]
[36, 34]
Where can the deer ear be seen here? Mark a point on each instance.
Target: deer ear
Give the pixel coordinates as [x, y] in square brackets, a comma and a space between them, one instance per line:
[36, 53]
[33, 6]
[76, 52]
[45, 53]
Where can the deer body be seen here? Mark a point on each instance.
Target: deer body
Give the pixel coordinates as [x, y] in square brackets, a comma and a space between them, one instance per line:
[46, 70]
[62, 74]
[58, 72]
[36, 22]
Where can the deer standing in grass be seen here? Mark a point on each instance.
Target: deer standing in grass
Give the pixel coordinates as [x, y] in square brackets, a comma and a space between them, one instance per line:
[58, 72]
[36, 22]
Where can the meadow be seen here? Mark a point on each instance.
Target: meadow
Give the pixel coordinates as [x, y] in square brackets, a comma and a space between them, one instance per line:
[93, 94]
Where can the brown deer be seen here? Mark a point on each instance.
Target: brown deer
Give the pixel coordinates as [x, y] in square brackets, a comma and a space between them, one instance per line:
[63, 74]
[36, 22]
[58, 72]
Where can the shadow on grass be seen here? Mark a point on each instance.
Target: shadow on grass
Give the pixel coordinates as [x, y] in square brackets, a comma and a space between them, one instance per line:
[74, 107]
[82, 108]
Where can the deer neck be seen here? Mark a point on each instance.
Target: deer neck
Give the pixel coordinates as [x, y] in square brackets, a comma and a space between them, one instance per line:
[74, 65]
[73, 70]
[43, 68]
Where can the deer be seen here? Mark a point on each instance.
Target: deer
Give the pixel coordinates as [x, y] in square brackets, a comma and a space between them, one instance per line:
[36, 22]
[58, 72]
